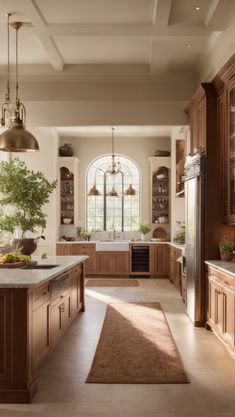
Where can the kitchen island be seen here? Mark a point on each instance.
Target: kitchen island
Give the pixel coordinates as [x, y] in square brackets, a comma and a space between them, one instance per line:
[36, 308]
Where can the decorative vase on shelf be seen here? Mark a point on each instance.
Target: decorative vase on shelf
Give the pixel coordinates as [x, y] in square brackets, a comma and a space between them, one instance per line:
[142, 236]
[66, 150]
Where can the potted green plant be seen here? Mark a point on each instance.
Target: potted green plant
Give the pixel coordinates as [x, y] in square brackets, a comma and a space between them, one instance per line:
[180, 237]
[144, 228]
[23, 195]
[227, 248]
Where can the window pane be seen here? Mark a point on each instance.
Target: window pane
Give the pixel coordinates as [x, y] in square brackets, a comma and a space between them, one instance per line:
[121, 210]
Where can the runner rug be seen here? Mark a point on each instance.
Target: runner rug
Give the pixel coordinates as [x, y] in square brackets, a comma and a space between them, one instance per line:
[136, 347]
[112, 283]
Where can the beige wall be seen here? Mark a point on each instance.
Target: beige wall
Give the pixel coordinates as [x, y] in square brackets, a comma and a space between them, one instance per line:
[137, 148]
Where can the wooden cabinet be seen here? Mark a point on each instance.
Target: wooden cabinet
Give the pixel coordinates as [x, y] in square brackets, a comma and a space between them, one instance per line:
[89, 250]
[175, 267]
[202, 115]
[60, 306]
[76, 290]
[230, 116]
[159, 260]
[63, 249]
[221, 306]
[180, 160]
[40, 325]
[160, 189]
[112, 263]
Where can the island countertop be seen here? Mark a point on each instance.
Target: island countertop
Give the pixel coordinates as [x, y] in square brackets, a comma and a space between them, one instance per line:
[225, 267]
[31, 278]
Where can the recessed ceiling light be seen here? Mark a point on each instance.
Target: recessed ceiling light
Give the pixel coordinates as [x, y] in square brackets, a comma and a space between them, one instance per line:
[188, 45]
[197, 8]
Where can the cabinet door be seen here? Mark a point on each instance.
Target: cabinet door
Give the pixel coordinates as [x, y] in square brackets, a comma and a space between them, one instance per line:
[89, 250]
[230, 316]
[56, 322]
[104, 263]
[65, 307]
[194, 130]
[161, 260]
[231, 154]
[217, 306]
[40, 336]
[223, 151]
[201, 122]
[120, 263]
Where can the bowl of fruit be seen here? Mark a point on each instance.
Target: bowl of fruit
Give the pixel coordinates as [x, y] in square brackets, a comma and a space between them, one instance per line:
[14, 260]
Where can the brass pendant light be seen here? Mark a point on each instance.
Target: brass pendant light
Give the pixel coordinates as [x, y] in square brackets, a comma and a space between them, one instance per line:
[16, 138]
[94, 192]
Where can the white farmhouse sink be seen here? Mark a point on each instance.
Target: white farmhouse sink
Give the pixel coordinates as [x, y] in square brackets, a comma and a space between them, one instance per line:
[121, 246]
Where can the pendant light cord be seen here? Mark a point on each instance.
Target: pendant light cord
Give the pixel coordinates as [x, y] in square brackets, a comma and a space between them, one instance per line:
[17, 83]
[8, 57]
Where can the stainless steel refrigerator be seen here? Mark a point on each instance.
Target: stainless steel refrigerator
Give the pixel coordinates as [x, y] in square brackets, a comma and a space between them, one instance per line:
[194, 237]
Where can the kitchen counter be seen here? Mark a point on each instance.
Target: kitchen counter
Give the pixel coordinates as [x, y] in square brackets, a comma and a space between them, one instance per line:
[37, 308]
[31, 278]
[139, 242]
[225, 267]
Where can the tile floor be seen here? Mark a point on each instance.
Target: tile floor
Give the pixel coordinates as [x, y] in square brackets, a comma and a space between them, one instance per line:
[62, 391]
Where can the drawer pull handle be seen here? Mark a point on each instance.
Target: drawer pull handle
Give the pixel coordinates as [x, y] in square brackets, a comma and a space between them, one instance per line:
[61, 307]
[61, 296]
[44, 292]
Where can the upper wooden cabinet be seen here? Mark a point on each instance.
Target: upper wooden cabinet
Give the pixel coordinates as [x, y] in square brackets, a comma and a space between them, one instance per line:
[231, 152]
[202, 115]
[225, 85]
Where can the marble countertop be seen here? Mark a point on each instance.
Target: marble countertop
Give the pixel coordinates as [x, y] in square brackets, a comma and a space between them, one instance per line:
[138, 242]
[31, 278]
[225, 267]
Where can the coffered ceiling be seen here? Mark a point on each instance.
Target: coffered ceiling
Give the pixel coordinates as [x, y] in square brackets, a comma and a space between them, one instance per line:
[142, 36]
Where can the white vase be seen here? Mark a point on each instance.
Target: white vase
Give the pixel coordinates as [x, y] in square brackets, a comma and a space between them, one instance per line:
[142, 236]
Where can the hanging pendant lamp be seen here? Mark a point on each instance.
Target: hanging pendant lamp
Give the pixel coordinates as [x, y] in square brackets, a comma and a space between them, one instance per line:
[16, 138]
[94, 192]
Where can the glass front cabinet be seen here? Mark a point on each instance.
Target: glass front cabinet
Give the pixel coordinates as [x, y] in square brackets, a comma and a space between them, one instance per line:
[68, 191]
[160, 174]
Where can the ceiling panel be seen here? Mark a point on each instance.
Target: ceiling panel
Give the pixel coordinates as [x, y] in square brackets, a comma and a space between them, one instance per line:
[184, 11]
[100, 50]
[96, 11]
[29, 47]
[173, 54]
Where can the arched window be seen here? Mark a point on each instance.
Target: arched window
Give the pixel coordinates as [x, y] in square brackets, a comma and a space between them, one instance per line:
[113, 201]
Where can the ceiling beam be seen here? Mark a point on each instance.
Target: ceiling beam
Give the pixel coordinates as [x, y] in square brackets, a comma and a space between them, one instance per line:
[162, 12]
[40, 30]
[83, 29]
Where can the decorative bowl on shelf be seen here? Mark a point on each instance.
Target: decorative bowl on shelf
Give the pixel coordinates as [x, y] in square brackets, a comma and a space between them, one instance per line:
[160, 176]
[66, 220]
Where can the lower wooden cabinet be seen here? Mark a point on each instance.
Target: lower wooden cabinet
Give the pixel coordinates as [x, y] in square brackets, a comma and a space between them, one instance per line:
[63, 249]
[89, 250]
[112, 263]
[221, 306]
[175, 267]
[40, 333]
[159, 264]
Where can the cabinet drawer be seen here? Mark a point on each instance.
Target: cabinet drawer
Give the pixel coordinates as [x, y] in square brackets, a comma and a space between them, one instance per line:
[60, 286]
[41, 295]
[86, 246]
[220, 276]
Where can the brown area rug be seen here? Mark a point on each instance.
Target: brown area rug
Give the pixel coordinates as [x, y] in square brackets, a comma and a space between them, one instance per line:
[136, 347]
[112, 283]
